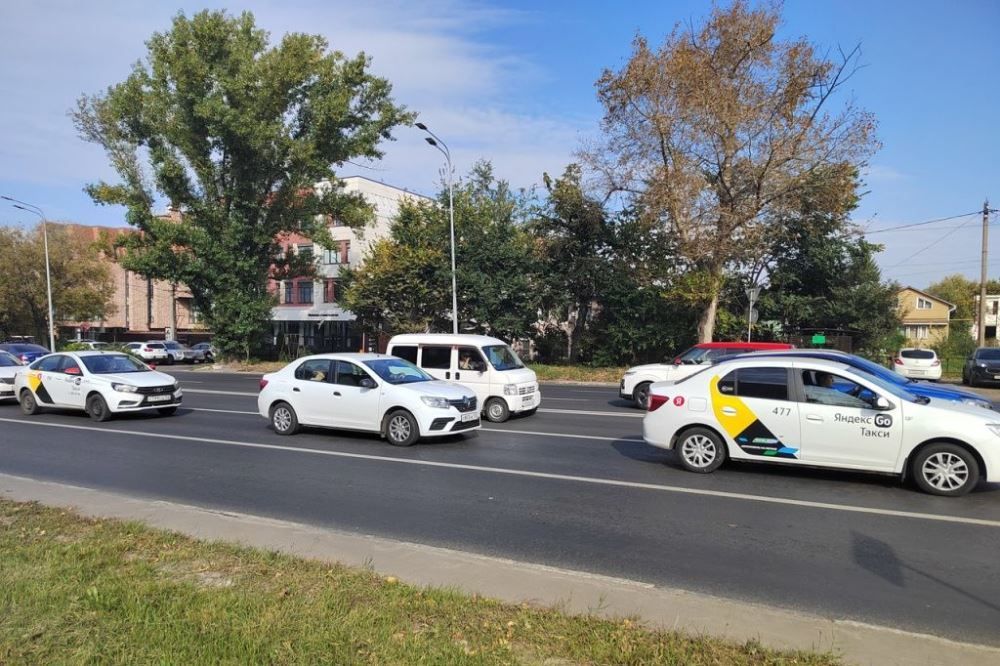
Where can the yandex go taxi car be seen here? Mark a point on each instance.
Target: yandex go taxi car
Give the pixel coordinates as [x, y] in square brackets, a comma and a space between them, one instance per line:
[369, 392]
[637, 380]
[101, 383]
[813, 412]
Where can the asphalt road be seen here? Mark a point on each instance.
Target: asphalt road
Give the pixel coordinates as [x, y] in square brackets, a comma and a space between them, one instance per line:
[572, 486]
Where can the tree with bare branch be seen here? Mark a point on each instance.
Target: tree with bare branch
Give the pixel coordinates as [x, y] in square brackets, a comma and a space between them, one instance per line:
[719, 128]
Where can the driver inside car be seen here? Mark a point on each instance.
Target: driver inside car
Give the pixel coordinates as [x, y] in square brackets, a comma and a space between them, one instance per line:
[819, 388]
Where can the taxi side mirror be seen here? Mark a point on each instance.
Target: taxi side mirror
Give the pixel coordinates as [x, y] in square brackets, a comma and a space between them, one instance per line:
[881, 403]
[367, 383]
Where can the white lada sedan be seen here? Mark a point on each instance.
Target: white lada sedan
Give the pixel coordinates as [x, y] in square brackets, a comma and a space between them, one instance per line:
[368, 392]
[101, 383]
[819, 413]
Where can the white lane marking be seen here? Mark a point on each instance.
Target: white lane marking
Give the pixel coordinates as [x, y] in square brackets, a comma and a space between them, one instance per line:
[766, 499]
[220, 411]
[541, 409]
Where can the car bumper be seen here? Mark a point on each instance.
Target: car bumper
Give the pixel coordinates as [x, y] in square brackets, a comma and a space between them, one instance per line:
[985, 374]
[921, 373]
[6, 391]
[136, 402]
[655, 435]
[447, 422]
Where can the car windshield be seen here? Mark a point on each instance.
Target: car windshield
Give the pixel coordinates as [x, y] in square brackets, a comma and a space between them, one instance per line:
[8, 360]
[113, 364]
[502, 357]
[988, 354]
[891, 388]
[397, 371]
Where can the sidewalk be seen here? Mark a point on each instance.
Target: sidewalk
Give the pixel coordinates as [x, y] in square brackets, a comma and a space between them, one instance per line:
[519, 582]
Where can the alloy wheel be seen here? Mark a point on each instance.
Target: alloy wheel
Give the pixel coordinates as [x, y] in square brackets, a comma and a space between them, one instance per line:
[699, 451]
[945, 471]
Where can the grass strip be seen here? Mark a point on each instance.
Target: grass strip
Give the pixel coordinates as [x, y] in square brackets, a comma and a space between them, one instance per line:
[79, 590]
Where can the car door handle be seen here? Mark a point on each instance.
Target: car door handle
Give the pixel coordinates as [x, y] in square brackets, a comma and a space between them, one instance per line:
[296, 390]
[447, 375]
[458, 376]
[814, 418]
[337, 393]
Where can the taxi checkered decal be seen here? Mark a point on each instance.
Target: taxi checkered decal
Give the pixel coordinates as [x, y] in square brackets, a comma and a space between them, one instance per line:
[38, 388]
[740, 423]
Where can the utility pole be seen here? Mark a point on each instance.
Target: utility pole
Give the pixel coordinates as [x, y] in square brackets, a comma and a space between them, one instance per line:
[981, 338]
[173, 311]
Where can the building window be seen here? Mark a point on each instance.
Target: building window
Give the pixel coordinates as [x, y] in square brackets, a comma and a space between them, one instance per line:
[919, 332]
[331, 256]
[993, 306]
[306, 292]
[289, 293]
[305, 251]
[923, 304]
[339, 255]
[331, 291]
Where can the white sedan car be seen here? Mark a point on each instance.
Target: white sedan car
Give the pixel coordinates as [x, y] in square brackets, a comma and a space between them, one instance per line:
[370, 392]
[9, 366]
[101, 383]
[821, 413]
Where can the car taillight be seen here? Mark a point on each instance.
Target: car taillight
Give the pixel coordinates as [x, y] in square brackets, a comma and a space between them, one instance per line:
[898, 361]
[936, 362]
[263, 383]
[657, 401]
[677, 360]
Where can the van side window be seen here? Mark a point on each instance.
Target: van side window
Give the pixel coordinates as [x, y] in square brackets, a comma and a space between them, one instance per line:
[406, 352]
[436, 357]
[469, 358]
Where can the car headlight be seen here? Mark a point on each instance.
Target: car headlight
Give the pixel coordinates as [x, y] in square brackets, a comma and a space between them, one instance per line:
[177, 386]
[994, 428]
[978, 403]
[124, 388]
[510, 389]
[434, 401]
[982, 365]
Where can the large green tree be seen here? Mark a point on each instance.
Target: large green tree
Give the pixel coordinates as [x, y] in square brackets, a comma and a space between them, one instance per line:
[81, 281]
[235, 133]
[404, 284]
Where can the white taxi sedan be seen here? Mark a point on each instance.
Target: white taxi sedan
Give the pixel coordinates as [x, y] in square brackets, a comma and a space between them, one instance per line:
[101, 383]
[367, 392]
[820, 413]
[10, 365]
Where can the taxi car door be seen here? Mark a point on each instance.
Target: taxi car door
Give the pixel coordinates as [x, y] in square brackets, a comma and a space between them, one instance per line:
[68, 383]
[840, 427]
[755, 407]
[44, 377]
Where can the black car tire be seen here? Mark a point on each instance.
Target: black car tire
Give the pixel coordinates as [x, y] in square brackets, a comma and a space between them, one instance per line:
[939, 466]
[97, 408]
[496, 410]
[400, 428]
[640, 395]
[700, 450]
[28, 403]
[284, 420]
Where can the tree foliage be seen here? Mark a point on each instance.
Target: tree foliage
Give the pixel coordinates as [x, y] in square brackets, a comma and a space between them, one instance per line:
[717, 130]
[405, 282]
[81, 281]
[235, 133]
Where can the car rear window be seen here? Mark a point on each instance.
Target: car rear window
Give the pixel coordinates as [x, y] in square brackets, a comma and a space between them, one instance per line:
[155, 345]
[917, 353]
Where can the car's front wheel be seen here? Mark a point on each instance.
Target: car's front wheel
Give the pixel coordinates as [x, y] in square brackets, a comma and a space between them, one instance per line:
[28, 403]
[401, 428]
[700, 450]
[945, 469]
[640, 396]
[283, 419]
[496, 410]
[97, 408]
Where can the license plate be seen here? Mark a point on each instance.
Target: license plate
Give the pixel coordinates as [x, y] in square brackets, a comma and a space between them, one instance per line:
[996, 376]
[528, 400]
[470, 416]
[160, 398]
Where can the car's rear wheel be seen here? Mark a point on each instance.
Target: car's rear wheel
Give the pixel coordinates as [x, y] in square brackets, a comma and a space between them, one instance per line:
[401, 428]
[496, 410]
[945, 469]
[640, 395]
[700, 450]
[284, 420]
[28, 403]
[97, 408]
[167, 411]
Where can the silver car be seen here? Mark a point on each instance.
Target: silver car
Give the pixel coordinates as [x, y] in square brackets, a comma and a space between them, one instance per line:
[179, 353]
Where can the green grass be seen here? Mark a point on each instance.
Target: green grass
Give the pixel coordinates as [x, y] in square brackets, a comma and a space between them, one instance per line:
[577, 373]
[75, 590]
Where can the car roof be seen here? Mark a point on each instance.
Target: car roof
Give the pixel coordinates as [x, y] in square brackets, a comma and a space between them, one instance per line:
[444, 339]
[345, 356]
[743, 345]
[785, 361]
[93, 352]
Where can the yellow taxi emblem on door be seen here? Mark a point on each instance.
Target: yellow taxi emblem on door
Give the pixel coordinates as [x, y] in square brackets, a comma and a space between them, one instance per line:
[34, 381]
[730, 411]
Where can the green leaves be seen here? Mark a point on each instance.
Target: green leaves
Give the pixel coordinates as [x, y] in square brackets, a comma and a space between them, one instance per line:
[235, 134]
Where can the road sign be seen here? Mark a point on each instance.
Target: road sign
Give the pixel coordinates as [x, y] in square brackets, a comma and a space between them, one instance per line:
[819, 339]
[754, 315]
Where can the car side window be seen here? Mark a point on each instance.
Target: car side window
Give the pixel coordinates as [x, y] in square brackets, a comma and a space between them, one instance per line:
[315, 370]
[48, 364]
[436, 357]
[827, 388]
[69, 366]
[406, 352]
[469, 358]
[349, 374]
[764, 383]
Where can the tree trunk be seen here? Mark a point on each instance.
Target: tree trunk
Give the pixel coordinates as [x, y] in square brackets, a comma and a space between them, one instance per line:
[706, 322]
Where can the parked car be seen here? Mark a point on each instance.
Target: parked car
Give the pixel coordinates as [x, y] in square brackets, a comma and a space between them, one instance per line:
[486, 365]
[982, 367]
[207, 349]
[100, 383]
[25, 351]
[917, 364]
[368, 392]
[635, 384]
[178, 353]
[818, 413]
[90, 344]
[10, 365]
[153, 352]
[928, 389]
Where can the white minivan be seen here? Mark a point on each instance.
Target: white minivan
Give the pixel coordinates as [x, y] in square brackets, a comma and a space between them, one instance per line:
[486, 365]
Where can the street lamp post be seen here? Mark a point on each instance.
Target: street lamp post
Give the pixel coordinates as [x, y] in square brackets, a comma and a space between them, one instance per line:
[31, 208]
[435, 141]
[753, 292]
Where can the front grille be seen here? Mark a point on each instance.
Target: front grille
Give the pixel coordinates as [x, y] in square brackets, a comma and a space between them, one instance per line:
[155, 390]
[464, 425]
[526, 390]
[7, 380]
[464, 404]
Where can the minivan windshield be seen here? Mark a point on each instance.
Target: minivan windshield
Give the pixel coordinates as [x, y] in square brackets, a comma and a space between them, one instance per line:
[502, 357]
[113, 364]
[398, 371]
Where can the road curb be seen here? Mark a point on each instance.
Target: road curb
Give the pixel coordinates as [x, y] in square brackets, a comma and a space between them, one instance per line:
[512, 581]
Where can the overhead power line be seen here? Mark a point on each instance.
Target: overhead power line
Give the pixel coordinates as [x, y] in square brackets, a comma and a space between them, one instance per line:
[930, 245]
[921, 224]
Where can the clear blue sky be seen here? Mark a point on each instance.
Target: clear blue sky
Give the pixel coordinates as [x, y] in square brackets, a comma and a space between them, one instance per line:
[513, 82]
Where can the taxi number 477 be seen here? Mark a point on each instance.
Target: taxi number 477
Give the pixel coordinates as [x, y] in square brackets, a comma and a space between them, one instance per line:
[781, 411]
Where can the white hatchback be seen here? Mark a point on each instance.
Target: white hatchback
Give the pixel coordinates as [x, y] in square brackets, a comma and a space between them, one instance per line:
[812, 412]
[366, 392]
[101, 383]
[9, 366]
[917, 364]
